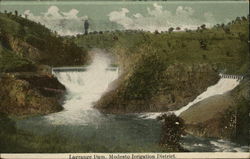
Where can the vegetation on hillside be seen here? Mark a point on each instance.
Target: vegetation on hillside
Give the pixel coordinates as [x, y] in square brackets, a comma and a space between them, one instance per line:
[163, 66]
[146, 58]
[27, 52]
[24, 42]
[223, 46]
[161, 71]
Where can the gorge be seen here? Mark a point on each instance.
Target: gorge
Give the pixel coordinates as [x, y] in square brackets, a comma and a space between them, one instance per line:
[100, 109]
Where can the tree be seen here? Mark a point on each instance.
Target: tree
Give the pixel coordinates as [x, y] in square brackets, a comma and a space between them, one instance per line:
[177, 28]
[170, 29]
[203, 26]
[238, 19]
[243, 18]
[157, 32]
[172, 131]
[226, 30]
[203, 44]
[198, 29]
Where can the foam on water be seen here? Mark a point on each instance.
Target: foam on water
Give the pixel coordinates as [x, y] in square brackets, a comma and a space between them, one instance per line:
[224, 85]
[84, 88]
[199, 144]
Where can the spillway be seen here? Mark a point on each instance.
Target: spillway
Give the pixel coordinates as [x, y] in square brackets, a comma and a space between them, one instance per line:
[84, 85]
[225, 84]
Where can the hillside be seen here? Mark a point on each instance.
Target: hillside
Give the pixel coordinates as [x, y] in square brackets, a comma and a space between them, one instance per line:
[165, 71]
[30, 41]
[27, 52]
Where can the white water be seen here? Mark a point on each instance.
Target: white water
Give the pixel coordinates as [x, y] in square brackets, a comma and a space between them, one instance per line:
[81, 121]
[195, 144]
[224, 85]
[84, 88]
[199, 144]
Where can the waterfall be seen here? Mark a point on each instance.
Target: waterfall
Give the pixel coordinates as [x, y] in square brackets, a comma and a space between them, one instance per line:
[222, 86]
[83, 89]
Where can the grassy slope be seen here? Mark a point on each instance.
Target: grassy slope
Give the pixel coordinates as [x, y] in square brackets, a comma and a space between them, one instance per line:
[26, 42]
[9, 62]
[146, 60]
[228, 52]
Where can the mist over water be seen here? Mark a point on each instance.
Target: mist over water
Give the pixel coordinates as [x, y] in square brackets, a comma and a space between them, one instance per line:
[81, 123]
[67, 17]
[84, 88]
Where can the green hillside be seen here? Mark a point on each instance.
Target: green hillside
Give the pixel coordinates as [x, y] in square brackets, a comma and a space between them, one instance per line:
[166, 70]
[24, 43]
[28, 50]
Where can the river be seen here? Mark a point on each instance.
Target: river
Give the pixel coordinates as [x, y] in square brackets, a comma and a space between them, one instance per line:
[83, 124]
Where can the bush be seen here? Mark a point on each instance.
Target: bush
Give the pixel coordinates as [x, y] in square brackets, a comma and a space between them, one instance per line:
[172, 130]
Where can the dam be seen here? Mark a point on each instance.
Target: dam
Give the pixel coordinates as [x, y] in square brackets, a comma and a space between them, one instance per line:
[68, 69]
[238, 77]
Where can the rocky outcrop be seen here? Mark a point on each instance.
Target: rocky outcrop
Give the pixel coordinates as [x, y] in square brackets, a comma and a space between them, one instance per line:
[222, 116]
[154, 90]
[29, 94]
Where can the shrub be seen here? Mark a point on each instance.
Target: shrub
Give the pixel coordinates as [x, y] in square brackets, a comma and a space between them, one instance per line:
[172, 130]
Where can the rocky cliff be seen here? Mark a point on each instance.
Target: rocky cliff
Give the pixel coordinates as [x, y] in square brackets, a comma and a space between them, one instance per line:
[29, 94]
